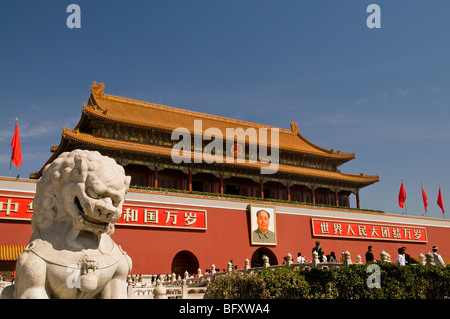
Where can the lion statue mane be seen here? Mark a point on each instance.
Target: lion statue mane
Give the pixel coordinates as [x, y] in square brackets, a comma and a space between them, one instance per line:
[71, 253]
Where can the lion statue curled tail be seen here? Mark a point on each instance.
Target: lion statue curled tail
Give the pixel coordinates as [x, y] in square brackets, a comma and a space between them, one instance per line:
[78, 199]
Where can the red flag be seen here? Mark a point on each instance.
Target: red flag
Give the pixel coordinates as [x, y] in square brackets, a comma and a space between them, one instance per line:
[425, 199]
[440, 202]
[402, 196]
[16, 156]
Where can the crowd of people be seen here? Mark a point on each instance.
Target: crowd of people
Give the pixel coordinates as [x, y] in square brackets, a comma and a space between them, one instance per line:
[403, 258]
[332, 258]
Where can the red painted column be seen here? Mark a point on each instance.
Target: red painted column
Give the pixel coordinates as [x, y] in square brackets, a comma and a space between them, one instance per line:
[261, 186]
[288, 191]
[155, 181]
[190, 180]
[336, 197]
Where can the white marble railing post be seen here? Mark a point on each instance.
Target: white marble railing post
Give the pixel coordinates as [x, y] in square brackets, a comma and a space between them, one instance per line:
[430, 258]
[422, 259]
[347, 260]
[246, 265]
[315, 259]
[289, 261]
[160, 291]
[266, 263]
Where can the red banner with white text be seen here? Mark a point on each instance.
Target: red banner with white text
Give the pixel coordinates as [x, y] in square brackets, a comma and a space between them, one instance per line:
[363, 230]
[18, 207]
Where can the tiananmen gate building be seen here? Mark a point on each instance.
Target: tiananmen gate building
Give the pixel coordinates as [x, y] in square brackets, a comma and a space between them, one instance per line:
[200, 207]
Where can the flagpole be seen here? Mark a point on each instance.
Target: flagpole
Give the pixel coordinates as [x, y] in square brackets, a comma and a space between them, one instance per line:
[404, 203]
[421, 189]
[402, 197]
[12, 152]
[10, 162]
[440, 202]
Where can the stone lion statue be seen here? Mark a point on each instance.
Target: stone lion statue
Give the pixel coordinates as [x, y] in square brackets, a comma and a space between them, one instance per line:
[71, 254]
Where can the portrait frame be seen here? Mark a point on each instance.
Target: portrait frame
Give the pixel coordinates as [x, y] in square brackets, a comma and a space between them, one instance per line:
[257, 237]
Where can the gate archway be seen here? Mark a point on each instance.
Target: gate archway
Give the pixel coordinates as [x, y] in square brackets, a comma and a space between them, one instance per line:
[257, 257]
[184, 261]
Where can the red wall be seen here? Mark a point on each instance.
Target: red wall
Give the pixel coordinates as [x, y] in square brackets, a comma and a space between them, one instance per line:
[227, 237]
[15, 232]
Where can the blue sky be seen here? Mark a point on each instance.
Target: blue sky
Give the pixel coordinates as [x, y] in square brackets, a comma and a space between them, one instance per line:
[380, 93]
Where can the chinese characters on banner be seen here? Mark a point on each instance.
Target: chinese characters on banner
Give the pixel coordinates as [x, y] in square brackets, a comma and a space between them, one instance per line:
[355, 230]
[162, 217]
[12, 207]
[16, 207]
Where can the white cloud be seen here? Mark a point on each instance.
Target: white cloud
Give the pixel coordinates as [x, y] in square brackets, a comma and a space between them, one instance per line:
[404, 92]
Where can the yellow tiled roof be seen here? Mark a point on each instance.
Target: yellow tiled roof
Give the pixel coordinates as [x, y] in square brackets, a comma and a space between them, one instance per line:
[120, 145]
[10, 252]
[150, 115]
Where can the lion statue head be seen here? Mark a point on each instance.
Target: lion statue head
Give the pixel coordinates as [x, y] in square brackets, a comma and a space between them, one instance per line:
[80, 187]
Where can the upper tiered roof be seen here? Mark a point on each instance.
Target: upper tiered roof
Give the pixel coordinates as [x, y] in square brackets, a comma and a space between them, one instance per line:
[132, 113]
[149, 115]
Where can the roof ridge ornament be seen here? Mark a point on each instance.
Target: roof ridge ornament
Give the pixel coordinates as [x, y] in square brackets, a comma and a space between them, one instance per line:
[294, 128]
[97, 88]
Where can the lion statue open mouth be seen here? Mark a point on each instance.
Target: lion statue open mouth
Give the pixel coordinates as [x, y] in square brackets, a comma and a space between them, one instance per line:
[71, 254]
